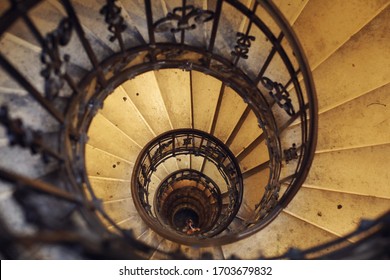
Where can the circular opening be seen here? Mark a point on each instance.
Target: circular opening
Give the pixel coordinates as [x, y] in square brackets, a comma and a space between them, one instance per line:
[185, 218]
[144, 100]
[187, 184]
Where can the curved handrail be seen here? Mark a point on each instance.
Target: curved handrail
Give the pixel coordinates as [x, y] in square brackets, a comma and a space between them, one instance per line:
[260, 91]
[187, 142]
[191, 175]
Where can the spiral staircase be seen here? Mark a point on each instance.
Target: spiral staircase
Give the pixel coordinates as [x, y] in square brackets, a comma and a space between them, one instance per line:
[186, 129]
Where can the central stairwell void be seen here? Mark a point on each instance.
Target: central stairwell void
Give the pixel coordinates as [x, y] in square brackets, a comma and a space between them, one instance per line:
[152, 129]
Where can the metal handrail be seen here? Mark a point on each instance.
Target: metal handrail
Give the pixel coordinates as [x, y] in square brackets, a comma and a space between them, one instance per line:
[186, 142]
[264, 94]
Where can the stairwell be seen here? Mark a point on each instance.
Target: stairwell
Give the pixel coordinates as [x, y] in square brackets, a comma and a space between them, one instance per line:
[119, 103]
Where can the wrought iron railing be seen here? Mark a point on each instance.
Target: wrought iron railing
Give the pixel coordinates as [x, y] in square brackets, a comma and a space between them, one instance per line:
[192, 180]
[188, 37]
[187, 142]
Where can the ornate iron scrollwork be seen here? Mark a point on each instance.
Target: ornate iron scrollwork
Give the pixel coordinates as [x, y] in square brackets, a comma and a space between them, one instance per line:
[243, 45]
[190, 142]
[269, 200]
[279, 94]
[183, 18]
[18, 134]
[112, 15]
[214, 152]
[162, 147]
[291, 153]
[187, 141]
[56, 66]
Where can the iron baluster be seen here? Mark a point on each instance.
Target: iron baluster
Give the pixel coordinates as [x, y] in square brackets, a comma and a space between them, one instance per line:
[183, 15]
[115, 21]
[217, 109]
[249, 149]
[173, 145]
[238, 126]
[149, 18]
[84, 41]
[256, 169]
[213, 35]
[269, 59]
[291, 81]
[56, 66]
[40, 186]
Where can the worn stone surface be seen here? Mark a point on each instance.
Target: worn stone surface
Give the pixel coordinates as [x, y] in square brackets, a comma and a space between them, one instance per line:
[346, 43]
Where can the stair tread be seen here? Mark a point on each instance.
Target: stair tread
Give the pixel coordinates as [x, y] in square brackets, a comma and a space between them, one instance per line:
[18, 54]
[205, 93]
[212, 171]
[128, 118]
[102, 164]
[170, 165]
[276, 239]
[15, 220]
[101, 134]
[22, 162]
[29, 111]
[214, 253]
[110, 190]
[339, 212]
[196, 162]
[146, 96]
[355, 170]
[136, 11]
[321, 33]
[99, 28]
[248, 132]
[191, 252]
[133, 223]
[120, 210]
[165, 246]
[176, 92]
[291, 10]
[353, 68]
[365, 122]
[254, 187]
[232, 108]
[256, 157]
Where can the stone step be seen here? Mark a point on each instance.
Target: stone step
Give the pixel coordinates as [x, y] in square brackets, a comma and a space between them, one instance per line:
[357, 67]
[325, 26]
[284, 232]
[336, 212]
[358, 171]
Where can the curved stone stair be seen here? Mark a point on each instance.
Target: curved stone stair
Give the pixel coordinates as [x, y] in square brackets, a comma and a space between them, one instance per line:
[347, 181]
